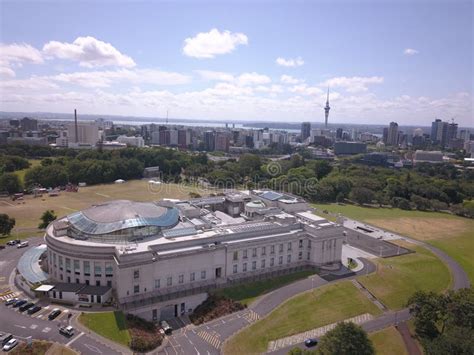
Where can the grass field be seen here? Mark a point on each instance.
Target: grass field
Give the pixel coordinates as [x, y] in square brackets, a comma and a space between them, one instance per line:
[21, 173]
[313, 309]
[452, 234]
[249, 292]
[397, 278]
[111, 325]
[27, 212]
[388, 341]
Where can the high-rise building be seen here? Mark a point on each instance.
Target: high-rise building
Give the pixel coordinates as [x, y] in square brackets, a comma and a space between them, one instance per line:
[83, 133]
[385, 134]
[392, 136]
[222, 142]
[339, 133]
[209, 141]
[305, 130]
[29, 124]
[326, 111]
[452, 132]
[184, 138]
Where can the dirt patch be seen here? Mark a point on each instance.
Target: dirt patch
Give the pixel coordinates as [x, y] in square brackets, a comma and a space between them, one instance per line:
[424, 228]
[213, 307]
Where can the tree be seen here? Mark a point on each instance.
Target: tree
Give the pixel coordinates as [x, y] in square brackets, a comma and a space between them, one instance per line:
[346, 339]
[10, 182]
[47, 217]
[6, 224]
[361, 195]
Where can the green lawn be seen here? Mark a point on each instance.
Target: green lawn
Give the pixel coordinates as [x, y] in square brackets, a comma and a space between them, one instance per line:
[249, 292]
[111, 325]
[388, 341]
[21, 173]
[313, 309]
[452, 234]
[399, 277]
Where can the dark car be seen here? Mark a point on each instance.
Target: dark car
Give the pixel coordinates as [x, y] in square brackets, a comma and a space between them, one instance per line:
[19, 303]
[13, 242]
[11, 301]
[26, 306]
[310, 342]
[2, 246]
[56, 312]
[34, 309]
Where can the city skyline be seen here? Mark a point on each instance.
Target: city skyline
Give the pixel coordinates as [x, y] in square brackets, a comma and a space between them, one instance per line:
[206, 62]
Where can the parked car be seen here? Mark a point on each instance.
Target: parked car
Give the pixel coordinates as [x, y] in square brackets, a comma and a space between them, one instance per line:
[166, 327]
[13, 242]
[310, 342]
[56, 312]
[26, 306]
[67, 331]
[10, 344]
[11, 301]
[22, 245]
[4, 338]
[2, 246]
[34, 309]
[19, 303]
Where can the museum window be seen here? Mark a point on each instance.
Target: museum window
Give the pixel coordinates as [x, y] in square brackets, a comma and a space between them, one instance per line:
[309, 255]
[109, 270]
[309, 244]
[87, 268]
[300, 255]
[254, 265]
[300, 245]
[54, 260]
[254, 252]
[280, 260]
[136, 289]
[236, 255]
[264, 251]
[136, 274]
[169, 281]
[109, 283]
[272, 249]
[68, 265]
[244, 254]
[181, 279]
[234, 269]
[289, 246]
[97, 270]
[203, 275]
[263, 264]
[60, 263]
[272, 262]
[244, 267]
[77, 268]
[157, 283]
[61, 277]
[192, 276]
[281, 248]
[288, 258]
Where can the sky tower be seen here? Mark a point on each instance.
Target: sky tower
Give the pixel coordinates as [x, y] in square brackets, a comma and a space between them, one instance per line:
[326, 111]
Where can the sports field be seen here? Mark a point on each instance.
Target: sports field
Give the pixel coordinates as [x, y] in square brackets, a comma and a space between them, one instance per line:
[452, 234]
[27, 212]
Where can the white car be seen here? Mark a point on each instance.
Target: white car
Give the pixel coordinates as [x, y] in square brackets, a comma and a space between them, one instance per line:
[22, 245]
[10, 344]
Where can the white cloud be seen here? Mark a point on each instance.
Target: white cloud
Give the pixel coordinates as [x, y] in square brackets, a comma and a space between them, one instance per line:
[6, 72]
[31, 84]
[212, 43]
[353, 84]
[288, 79]
[272, 89]
[215, 75]
[253, 78]
[290, 62]
[102, 79]
[19, 53]
[410, 51]
[89, 52]
[304, 89]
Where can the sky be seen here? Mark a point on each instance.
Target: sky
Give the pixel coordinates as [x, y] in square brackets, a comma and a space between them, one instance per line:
[403, 61]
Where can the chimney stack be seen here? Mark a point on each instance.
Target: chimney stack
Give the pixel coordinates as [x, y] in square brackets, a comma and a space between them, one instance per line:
[75, 125]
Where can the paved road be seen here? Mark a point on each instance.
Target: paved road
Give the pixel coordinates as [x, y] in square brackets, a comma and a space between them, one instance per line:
[22, 325]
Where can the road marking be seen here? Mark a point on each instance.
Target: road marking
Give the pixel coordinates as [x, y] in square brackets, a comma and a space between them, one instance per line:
[93, 348]
[20, 326]
[73, 340]
[33, 326]
[103, 195]
[46, 330]
[211, 339]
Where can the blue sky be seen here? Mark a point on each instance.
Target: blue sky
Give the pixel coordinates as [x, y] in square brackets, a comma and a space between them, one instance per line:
[409, 61]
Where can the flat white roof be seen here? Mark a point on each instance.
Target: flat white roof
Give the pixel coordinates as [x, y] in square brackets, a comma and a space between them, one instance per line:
[44, 288]
[311, 216]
